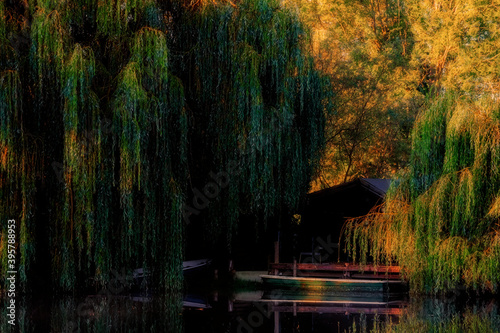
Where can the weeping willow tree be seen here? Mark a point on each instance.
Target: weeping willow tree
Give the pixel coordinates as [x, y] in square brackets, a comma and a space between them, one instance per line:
[441, 221]
[19, 163]
[264, 105]
[99, 107]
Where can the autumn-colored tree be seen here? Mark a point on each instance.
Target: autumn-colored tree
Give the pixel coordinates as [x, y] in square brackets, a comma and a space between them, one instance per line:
[440, 220]
[365, 47]
[457, 44]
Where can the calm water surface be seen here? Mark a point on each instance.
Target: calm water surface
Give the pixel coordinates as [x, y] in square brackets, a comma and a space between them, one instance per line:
[255, 311]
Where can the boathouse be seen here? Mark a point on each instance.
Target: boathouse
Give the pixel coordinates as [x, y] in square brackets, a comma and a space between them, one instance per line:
[324, 212]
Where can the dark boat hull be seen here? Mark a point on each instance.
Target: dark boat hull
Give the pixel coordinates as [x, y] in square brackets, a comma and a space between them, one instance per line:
[325, 285]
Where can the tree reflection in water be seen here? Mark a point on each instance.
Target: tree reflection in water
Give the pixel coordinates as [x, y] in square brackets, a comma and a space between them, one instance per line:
[224, 314]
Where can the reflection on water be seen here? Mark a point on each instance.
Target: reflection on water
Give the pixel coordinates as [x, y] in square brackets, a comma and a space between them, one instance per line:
[97, 314]
[448, 315]
[253, 312]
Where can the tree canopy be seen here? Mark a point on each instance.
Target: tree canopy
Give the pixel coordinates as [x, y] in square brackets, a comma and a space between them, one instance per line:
[440, 220]
[365, 47]
[114, 112]
[123, 121]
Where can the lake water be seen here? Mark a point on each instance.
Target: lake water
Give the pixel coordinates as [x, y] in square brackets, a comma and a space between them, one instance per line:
[253, 311]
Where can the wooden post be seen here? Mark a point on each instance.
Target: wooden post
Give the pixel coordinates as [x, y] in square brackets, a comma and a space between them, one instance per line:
[276, 255]
[277, 327]
[294, 267]
[312, 249]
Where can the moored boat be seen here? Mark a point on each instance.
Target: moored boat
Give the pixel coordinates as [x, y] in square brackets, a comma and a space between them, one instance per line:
[314, 284]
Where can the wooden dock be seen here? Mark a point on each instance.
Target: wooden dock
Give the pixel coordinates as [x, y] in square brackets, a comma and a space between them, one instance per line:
[336, 270]
[344, 278]
[340, 287]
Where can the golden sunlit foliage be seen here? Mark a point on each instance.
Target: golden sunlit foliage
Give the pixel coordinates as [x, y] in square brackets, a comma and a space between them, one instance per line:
[383, 57]
[440, 221]
[458, 43]
[365, 47]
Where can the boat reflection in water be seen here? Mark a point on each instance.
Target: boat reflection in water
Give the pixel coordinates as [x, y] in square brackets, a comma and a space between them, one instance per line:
[307, 311]
[320, 311]
[256, 311]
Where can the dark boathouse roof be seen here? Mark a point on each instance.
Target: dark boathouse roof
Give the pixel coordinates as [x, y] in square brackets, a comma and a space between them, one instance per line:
[338, 203]
[377, 186]
[325, 212]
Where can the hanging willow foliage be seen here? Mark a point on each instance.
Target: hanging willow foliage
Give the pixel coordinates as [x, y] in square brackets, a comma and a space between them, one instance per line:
[117, 17]
[441, 222]
[81, 157]
[16, 172]
[94, 134]
[264, 104]
[150, 120]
